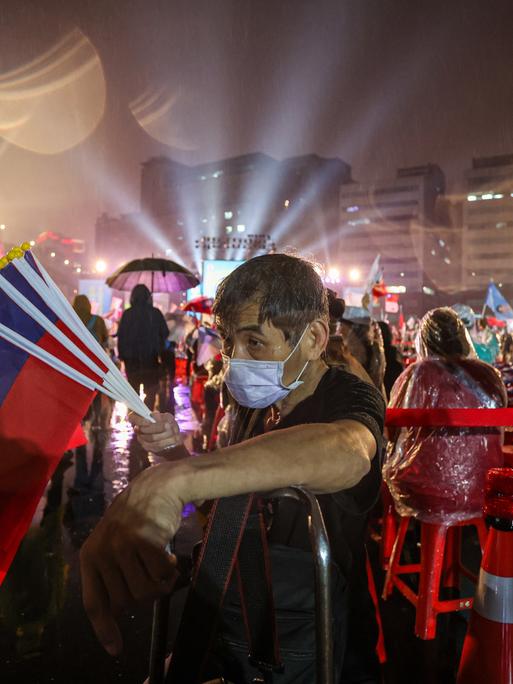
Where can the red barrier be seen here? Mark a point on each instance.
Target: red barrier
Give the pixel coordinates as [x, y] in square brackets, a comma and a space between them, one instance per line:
[449, 417]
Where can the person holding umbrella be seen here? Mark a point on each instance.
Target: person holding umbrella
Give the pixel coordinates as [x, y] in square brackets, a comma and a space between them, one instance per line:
[142, 335]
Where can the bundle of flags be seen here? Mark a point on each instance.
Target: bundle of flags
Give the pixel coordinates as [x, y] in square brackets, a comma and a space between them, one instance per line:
[51, 366]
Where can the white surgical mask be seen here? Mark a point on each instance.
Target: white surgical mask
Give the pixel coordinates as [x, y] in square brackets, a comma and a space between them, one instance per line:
[258, 384]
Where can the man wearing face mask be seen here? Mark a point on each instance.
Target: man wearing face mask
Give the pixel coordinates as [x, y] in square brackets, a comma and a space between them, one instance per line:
[297, 422]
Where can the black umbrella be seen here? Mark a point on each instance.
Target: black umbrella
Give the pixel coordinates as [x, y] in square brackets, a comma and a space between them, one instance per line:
[159, 275]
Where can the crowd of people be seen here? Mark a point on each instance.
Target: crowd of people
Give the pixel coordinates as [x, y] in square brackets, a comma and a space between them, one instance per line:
[293, 391]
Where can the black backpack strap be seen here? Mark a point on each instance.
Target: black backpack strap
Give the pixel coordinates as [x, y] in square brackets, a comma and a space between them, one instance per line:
[256, 595]
[210, 582]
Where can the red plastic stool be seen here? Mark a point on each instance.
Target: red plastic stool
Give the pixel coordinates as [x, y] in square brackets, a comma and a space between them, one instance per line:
[380, 646]
[440, 565]
[383, 530]
[388, 528]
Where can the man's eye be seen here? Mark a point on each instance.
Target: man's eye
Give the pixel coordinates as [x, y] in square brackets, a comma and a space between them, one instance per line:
[254, 343]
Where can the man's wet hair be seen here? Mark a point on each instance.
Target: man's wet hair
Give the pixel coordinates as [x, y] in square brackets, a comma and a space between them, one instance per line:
[289, 292]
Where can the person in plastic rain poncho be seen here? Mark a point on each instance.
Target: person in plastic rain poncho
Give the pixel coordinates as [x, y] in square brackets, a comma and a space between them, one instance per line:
[437, 474]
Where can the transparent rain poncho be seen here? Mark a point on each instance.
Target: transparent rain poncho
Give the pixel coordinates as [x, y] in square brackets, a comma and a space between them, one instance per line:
[437, 474]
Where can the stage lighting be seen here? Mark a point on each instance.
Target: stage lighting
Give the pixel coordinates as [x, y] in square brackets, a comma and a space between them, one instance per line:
[100, 266]
[354, 275]
[333, 275]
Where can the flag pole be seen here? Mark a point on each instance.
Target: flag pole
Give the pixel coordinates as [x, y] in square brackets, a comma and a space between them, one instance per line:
[68, 315]
[45, 285]
[53, 295]
[52, 329]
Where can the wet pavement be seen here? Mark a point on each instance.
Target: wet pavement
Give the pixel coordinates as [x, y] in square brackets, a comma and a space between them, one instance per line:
[44, 633]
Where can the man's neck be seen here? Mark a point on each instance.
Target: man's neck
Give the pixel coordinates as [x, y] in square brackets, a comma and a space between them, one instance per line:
[311, 378]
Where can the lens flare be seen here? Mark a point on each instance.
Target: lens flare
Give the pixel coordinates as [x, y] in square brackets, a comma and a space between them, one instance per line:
[39, 101]
[157, 111]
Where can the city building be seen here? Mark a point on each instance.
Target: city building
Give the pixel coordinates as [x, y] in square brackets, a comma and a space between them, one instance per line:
[487, 245]
[409, 222]
[229, 207]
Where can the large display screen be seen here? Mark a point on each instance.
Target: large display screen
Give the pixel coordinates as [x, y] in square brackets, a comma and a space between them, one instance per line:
[214, 270]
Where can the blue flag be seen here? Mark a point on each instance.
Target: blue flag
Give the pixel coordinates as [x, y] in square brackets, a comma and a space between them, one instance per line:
[498, 304]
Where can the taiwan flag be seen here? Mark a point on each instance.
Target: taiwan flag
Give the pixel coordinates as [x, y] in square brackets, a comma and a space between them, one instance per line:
[40, 414]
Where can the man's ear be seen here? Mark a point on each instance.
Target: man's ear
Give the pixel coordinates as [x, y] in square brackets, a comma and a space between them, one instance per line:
[317, 339]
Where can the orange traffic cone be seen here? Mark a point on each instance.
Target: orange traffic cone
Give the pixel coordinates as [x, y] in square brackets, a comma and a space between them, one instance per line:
[488, 649]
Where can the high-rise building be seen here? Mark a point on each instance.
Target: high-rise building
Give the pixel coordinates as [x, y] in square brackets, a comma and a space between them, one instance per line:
[230, 209]
[237, 199]
[487, 245]
[406, 220]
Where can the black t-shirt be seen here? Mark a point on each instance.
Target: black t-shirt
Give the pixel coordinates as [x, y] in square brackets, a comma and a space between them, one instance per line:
[339, 396]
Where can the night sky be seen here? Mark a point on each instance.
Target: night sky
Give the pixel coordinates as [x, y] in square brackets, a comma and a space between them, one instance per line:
[379, 83]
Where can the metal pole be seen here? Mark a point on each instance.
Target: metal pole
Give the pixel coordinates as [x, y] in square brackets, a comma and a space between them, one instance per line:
[322, 558]
[159, 640]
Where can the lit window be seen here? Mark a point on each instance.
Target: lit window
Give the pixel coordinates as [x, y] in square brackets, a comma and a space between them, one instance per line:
[498, 196]
[488, 196]
[241, 227]
[229, 229]
[228, 214]
[359, 222]
[351, 210]
[471, 198]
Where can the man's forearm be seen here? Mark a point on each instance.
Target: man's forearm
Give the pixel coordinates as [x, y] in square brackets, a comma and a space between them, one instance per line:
[323, 458]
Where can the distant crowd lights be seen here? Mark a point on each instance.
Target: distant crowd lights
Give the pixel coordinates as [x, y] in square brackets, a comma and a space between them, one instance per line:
[487, 196]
